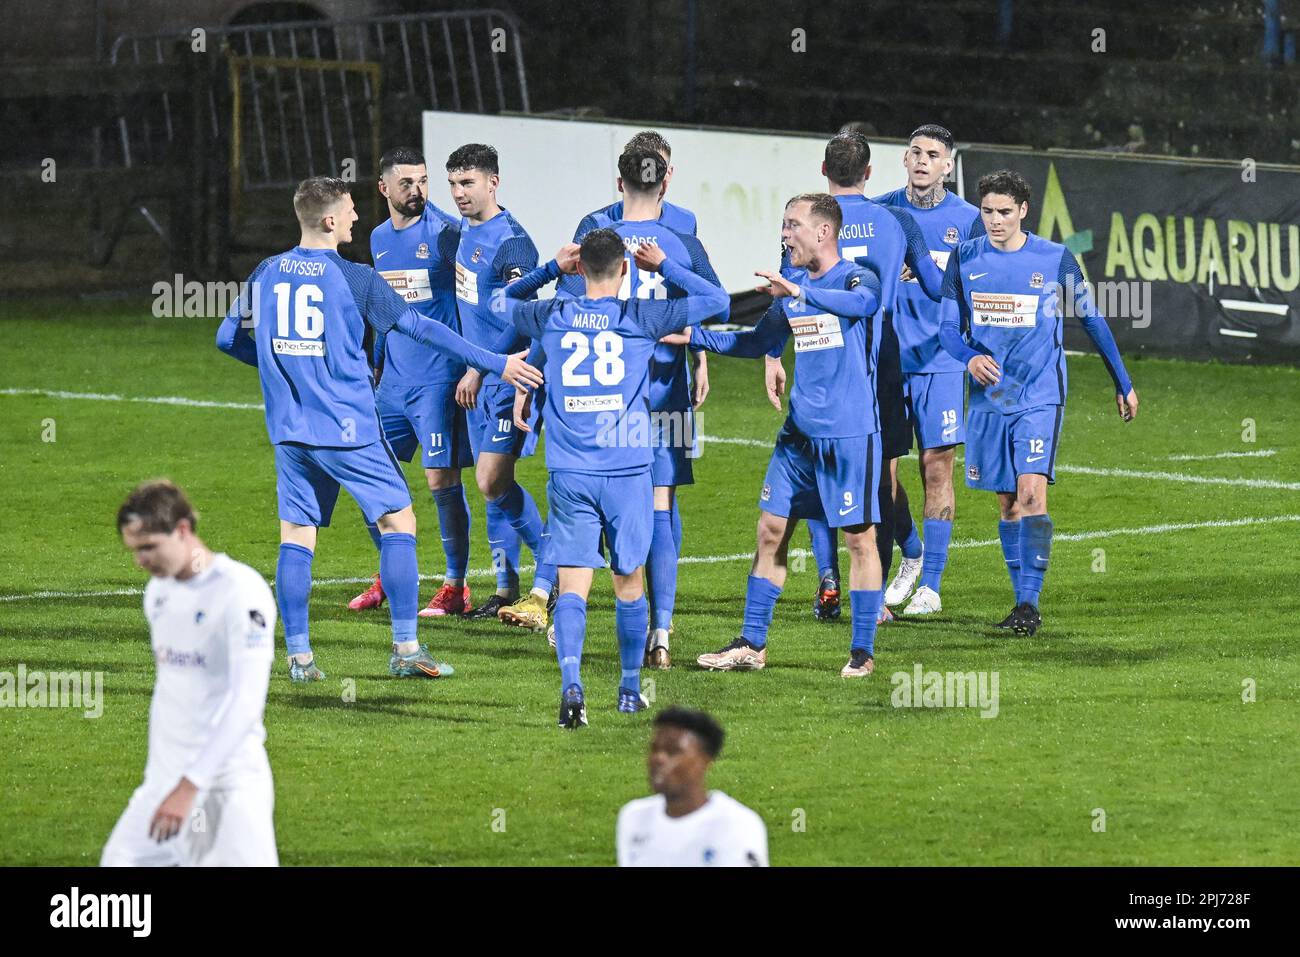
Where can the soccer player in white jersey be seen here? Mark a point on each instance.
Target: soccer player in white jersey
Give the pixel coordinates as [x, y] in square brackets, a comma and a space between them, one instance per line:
[683, 824]
[207, 795]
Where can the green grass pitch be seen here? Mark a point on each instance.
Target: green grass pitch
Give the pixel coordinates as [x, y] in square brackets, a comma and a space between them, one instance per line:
[1130, 700]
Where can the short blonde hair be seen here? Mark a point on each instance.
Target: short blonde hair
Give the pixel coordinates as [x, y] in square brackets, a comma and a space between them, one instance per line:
[315, 196]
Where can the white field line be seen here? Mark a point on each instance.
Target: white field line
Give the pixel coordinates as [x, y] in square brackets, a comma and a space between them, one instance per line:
[751, 443]
[1260, 454]
[1163, 529]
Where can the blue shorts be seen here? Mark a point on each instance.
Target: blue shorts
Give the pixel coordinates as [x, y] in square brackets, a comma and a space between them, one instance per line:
[307, 480]
[425, 417]
[936, 403]
[492, 423]
[834, 479]
[1000, 447]
[582, 506]
[676, 443]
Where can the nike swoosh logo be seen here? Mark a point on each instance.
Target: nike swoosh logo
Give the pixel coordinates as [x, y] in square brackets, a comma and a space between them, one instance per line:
[845, 511]
[1039, 558]
[1035, 458]
[977, 275]
[381, 255]
[950, 431]
[499, 438]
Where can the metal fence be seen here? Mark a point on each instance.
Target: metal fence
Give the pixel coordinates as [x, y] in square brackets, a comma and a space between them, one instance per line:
[459, 60]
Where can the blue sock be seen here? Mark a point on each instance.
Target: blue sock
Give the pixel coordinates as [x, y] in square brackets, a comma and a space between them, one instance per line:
[677, 528]
[1009, 532]
[503, 544]
[1035, 549]
[292, 589]
[864, 606]
[570, 631]
[401, 575]
[545, 576]
[661, 567]
[905, 533]
[911, 545]
[373, 529]
[825, 547]
[630, 618]
[938, 533]
[760, 602]
[521, 512]
[453, 525]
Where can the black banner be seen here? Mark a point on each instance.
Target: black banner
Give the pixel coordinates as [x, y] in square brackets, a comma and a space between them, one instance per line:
[1187, 259]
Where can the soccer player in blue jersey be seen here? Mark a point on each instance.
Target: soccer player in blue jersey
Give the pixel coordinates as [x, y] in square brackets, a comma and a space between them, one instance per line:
[883, 238]
[309, 310]
[1005, 295]
[494, 250]
[415, 251]
[827, 460]
[934, 381]
[643, 177]
[671, 215]
[598, 349]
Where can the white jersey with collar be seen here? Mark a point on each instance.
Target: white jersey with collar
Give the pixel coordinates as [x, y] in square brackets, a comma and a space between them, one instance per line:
[213, 644]
[721, 833]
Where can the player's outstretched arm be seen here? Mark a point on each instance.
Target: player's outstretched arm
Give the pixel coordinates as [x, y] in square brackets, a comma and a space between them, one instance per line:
[917, 257]
[1073, 284]
[771, 332]
[703, 298]
[860, 300]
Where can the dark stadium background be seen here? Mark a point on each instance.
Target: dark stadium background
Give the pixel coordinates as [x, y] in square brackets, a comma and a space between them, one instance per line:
[1187, 79]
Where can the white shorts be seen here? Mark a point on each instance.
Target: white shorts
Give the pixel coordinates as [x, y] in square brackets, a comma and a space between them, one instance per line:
[230, 826]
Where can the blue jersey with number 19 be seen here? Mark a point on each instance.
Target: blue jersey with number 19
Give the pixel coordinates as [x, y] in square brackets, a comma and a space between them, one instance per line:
[916, 315]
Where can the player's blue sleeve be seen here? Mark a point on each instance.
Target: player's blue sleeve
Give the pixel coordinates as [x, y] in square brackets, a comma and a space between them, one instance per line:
[771, 332]
[952, 313]
[859, 300]
[917, 255]
[229, 339]
[526, 286]
[976, 228]
[529, 318]
[589, 222]
[703, 300]
[515, 257]
[437, 336]
[1094, 323]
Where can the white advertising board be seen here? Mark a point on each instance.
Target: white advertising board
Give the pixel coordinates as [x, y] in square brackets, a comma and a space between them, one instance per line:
[555, 171]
